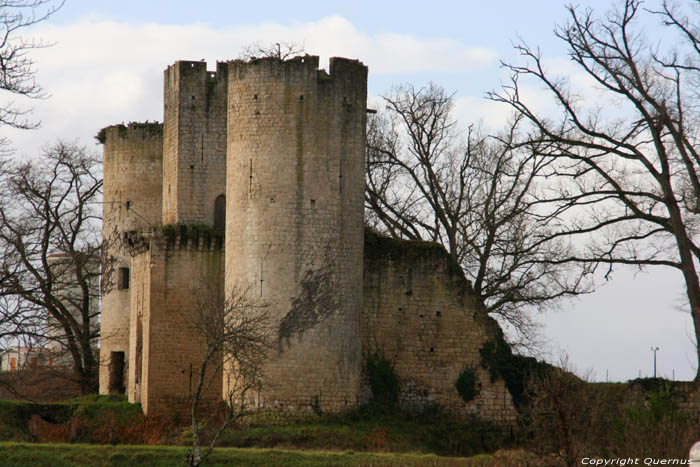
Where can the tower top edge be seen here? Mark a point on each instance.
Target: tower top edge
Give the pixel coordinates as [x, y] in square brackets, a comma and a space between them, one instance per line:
[120, 131]
[338, 66]
[306, 64]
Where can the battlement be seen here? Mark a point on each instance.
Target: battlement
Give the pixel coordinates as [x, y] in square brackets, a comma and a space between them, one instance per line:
[193, 79]
[132, 131]
[299, 69]
[175, 237]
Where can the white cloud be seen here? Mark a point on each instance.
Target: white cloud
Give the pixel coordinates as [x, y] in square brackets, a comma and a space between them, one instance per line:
[101, 72]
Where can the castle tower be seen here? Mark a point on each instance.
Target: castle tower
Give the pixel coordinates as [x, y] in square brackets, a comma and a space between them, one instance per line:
[133, 175]
[170, 267]
[294, 230]
[194, 144]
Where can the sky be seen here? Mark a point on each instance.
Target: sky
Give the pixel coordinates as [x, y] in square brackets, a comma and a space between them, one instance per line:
[106, 67]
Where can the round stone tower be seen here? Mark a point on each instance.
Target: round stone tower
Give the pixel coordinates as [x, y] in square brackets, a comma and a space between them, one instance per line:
[133, 187]
[294, 220]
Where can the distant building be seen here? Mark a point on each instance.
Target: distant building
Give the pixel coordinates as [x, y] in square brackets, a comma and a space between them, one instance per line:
[20, 358]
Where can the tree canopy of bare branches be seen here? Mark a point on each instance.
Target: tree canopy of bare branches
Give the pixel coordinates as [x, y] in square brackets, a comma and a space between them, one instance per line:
[629, 167]
[280, 50]
[476, 194]
[17, 72]
[237, 339]
[50, 249]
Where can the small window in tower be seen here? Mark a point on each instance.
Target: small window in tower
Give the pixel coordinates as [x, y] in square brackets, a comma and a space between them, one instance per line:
[220, 212]
[123, 279]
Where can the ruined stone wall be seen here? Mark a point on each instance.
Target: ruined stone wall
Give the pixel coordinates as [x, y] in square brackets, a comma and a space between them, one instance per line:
[133, 177]
[166, 349]
[194, 142]
[420, 314]
[294, 232]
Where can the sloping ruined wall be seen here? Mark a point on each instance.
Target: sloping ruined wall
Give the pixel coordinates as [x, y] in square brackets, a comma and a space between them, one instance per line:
[420, 314]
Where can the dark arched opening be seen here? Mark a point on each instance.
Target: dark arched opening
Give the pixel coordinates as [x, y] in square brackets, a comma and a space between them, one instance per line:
[220, 212]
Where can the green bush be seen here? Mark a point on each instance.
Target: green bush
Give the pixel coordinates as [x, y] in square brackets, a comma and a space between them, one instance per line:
[654, 427]
[383, 381]
[467, 384]
[516, 371]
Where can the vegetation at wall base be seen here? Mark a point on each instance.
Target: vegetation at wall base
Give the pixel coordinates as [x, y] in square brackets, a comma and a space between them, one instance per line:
[376, 430]
[564, 416]
[93, 419]
[383, 381]
[103, 420]
[568, 416]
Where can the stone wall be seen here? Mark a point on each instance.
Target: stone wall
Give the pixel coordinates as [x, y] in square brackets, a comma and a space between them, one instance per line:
[285, 143]
[133, 177]
[421, 315]
[295, 187]
[194, 142]
[166, 350]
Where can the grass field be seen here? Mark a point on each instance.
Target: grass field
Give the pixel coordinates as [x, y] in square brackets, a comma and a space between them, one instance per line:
[60, 455]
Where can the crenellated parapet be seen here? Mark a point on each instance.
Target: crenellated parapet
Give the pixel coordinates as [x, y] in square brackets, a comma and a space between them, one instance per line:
[196, 238]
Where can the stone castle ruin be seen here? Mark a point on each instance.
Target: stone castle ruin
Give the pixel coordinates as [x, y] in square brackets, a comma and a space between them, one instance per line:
[256, 176]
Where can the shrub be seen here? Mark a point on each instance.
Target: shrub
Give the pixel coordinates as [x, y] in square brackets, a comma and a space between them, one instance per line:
[467, 384]
[655, 427]
[383, 381]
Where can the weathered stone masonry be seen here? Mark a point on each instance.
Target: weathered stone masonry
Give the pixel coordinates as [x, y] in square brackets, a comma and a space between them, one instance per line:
[133, 178]
[420, 313]
[275, 151]
[295, 188]
[165, 349]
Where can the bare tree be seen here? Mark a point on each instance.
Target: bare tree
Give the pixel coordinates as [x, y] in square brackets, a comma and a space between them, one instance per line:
[50, 247]
[475, 194]
[280, 50]
[17, 72]
[629, 168]
[237, 340]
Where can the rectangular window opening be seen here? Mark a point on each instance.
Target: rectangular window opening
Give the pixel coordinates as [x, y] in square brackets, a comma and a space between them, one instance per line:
[123, 279]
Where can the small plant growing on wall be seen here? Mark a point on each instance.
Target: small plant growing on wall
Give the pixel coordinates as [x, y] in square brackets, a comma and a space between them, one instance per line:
[467, 384]
[383, 381]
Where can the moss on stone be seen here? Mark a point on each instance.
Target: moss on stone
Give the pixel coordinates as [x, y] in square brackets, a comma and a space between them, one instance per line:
[467, 384]
[149, 128]
[191, 232]
[516, 371]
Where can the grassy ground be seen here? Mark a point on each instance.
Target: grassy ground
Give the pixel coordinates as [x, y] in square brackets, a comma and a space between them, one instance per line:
[109, 420]
[376, 432]
[15, 415]
[60, 455]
